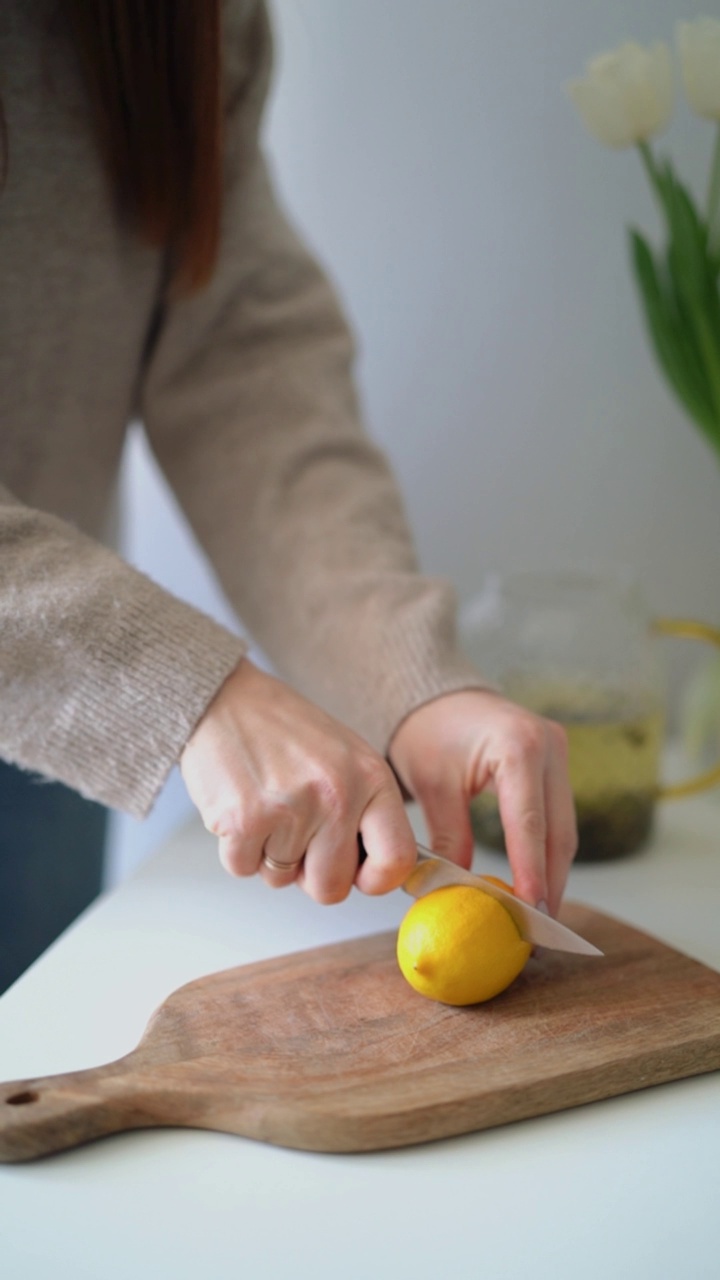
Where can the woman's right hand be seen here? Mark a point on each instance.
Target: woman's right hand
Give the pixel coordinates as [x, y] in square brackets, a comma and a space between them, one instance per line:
[287, 790]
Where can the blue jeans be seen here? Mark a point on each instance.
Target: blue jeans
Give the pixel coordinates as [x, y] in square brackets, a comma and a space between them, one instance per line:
[52, 846]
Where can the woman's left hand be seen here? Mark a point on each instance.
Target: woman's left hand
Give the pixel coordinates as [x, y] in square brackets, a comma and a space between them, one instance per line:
[459, 744]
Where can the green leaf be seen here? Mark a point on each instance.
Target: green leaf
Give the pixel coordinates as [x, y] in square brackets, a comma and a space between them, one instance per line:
[684, 324]
[691, 286]
[683, 370]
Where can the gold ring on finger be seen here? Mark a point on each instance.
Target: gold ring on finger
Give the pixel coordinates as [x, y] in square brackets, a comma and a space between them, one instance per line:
[274, 865]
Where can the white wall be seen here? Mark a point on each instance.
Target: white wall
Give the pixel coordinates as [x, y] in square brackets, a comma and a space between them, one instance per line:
[428, 152]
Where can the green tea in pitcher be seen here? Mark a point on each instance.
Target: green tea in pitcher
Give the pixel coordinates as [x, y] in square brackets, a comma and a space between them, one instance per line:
[613, 758]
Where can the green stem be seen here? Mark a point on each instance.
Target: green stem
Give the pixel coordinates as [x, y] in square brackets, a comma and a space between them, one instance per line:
[713, 204]
[651, 169]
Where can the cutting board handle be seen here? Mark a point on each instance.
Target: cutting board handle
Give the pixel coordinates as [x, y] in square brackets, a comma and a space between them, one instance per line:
[52, 1113]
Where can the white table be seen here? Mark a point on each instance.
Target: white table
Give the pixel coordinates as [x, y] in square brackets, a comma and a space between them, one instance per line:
[627, 1189]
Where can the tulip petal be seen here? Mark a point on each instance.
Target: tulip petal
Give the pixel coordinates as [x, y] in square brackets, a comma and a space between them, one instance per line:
[601, 112]
[627, 95]
[699, 48]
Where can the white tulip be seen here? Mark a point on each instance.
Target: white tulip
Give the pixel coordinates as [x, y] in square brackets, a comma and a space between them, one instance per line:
[627, 95]
[699, 47]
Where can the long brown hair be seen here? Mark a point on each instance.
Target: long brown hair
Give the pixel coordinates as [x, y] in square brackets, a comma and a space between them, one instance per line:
[152, 69]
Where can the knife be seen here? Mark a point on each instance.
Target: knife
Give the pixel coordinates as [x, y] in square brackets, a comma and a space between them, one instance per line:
[433, 872]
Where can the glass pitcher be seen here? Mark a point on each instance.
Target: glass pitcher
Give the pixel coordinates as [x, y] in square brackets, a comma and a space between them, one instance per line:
[578, 648]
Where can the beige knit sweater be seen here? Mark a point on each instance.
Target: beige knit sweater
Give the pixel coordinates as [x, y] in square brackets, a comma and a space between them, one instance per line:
[246, 395]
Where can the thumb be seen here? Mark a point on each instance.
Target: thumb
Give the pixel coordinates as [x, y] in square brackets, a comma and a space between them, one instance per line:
[447, 815]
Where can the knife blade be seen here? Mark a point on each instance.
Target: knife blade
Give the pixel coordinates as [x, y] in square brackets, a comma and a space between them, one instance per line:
[433, 872]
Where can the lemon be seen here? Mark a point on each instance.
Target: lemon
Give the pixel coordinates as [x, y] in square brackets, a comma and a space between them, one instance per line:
[460, 946]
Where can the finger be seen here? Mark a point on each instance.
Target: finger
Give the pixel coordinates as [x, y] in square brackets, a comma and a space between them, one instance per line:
[446, 809]
[328, 871]
[521, 800]
[241, 830]
[285, 846]
[288, 832]
[562, 824]
[279, 874]
[265, 840]
[240, 853]
[389, 843]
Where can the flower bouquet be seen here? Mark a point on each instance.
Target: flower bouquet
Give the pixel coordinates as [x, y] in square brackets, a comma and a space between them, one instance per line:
[625, 99]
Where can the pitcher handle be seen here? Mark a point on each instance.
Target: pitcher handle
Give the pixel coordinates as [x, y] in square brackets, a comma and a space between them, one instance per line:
[689, 629]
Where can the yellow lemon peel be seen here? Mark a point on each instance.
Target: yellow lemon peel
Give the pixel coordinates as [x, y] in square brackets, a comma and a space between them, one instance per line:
[459, 946]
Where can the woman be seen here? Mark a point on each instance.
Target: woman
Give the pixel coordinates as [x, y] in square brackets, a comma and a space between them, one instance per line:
[147, 270]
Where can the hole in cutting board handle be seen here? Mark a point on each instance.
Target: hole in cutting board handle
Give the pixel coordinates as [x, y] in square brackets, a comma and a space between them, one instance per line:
[21, 1099]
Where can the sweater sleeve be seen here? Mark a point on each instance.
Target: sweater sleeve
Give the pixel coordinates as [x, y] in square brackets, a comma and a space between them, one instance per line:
[103, 674]
[249, 405]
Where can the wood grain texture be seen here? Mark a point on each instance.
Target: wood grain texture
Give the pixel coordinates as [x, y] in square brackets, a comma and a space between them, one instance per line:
[331, 1050]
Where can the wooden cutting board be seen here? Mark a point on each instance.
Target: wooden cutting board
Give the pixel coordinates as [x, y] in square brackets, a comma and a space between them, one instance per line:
[331, 1050]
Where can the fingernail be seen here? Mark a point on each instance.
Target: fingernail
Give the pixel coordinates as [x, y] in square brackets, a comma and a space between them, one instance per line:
[543, 906]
